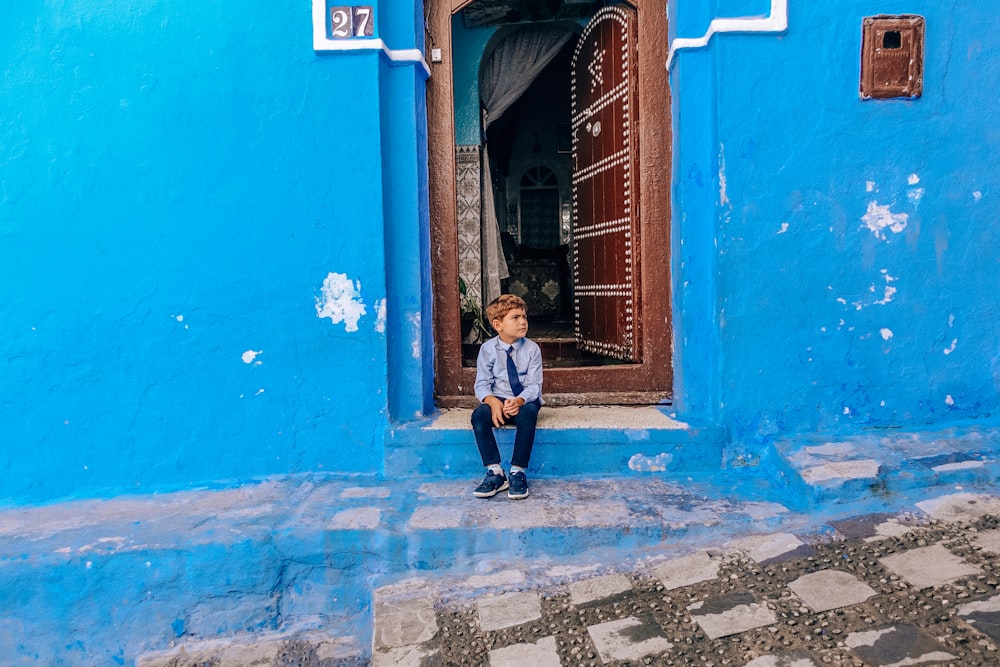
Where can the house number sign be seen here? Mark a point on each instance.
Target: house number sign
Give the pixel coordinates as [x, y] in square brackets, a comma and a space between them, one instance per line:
[351, 21]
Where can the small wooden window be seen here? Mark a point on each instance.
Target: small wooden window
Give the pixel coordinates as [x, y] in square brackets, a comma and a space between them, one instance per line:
[892, 57]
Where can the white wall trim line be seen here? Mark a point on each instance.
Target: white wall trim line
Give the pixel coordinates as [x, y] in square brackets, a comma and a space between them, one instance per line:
[777, 21]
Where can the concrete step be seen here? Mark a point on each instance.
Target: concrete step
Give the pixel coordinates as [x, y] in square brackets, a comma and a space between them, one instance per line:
[298, 559]
[887, 463]
[511, 607]
[570, 440]
[292, 564]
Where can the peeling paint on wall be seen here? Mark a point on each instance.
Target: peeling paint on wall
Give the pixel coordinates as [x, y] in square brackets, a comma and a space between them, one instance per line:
[886, 333]
[879, 218]
[341, 301]
[380, 316]
[723, 197]
[889, 292]
[951, 348]
[249, 356]
[415, 322]
[643, 463]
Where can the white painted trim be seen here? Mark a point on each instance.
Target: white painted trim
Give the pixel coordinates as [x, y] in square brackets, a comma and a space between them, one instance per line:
[322, 44]
[776, 22]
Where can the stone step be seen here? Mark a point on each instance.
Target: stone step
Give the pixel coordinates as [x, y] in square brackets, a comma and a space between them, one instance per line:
[299, 558]
[569, 440]
[102, 581]
[884, 463]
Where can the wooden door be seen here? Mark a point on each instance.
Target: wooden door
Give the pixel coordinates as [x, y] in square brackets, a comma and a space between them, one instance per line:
[605, 186]
[648, 380]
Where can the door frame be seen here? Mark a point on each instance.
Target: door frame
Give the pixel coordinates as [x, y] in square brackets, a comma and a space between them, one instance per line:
[646, 382]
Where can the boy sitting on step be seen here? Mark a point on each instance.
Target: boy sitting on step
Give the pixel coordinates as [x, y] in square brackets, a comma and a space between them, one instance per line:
[509, 386]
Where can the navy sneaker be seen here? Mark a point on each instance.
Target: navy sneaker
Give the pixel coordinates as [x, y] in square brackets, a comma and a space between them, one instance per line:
[492, 485]
[518, 485]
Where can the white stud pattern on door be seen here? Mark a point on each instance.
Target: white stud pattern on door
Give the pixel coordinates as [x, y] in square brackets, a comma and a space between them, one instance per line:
[605, 164]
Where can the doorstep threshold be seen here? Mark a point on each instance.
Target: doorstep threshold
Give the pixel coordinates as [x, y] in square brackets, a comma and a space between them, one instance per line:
[610, 417]
[601, 399]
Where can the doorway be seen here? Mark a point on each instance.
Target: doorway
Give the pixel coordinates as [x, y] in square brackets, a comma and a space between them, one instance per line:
[596, 276]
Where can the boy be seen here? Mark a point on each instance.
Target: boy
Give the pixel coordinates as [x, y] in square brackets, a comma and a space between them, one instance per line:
[509, 385]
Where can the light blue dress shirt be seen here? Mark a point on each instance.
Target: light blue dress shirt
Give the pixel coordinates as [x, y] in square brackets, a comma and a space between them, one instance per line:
[491, 369]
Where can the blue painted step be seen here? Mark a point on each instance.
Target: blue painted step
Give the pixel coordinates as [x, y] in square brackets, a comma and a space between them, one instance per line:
[569, 440]
[853, 469]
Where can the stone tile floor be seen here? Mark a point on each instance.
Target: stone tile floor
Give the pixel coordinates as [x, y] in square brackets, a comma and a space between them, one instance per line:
[878, 590]
[916, 585]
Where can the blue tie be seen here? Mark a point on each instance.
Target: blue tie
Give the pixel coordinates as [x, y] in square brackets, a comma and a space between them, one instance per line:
[515, 380]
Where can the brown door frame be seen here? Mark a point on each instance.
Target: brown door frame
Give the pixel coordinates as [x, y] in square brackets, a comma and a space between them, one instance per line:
[648, 381]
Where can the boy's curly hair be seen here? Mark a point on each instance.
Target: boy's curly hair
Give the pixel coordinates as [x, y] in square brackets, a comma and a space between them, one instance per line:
[503, 304]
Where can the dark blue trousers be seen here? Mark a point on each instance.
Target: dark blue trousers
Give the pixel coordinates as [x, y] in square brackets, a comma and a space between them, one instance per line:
[525, 420]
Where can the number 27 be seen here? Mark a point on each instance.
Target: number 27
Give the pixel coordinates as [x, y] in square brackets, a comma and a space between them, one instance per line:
[348, 22]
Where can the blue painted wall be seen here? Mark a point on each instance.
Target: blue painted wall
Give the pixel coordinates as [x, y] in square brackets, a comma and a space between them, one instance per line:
[178, 183]
[215, 256]
[833, 257]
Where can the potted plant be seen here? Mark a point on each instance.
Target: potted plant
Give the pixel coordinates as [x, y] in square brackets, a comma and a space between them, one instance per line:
[474, 326]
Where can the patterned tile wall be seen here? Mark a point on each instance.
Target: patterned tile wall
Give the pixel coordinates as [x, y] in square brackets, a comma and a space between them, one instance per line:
[469, 194]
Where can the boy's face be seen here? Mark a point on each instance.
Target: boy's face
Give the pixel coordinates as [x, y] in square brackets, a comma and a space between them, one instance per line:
[513, 326]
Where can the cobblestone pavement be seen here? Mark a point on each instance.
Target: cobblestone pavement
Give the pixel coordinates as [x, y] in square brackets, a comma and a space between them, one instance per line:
[913, 589]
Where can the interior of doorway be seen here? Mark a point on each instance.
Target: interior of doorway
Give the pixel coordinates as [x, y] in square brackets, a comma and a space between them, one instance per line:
[454, 193]
[529, 149]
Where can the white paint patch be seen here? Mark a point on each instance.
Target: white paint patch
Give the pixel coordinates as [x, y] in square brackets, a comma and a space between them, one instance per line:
[915, 195]
[847, 410]
[356, 518]
[870, 186]
[886, 333]
[259, 392]
[723, 197]
[784, 228]
[643, 463]
[879, 218]
[951, 348]
[179, 318]
[951, 321]
[860, 469]
[961, 465]
[250, 355]
[977, 195]
[380, 316]
[889, 292]
[341, 301]
[948, 400]
[887, 295]
[415, 332]
[913, 179]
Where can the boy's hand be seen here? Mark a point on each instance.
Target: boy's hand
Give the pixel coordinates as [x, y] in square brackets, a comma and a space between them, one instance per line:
[512, 406]
[497, 408]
